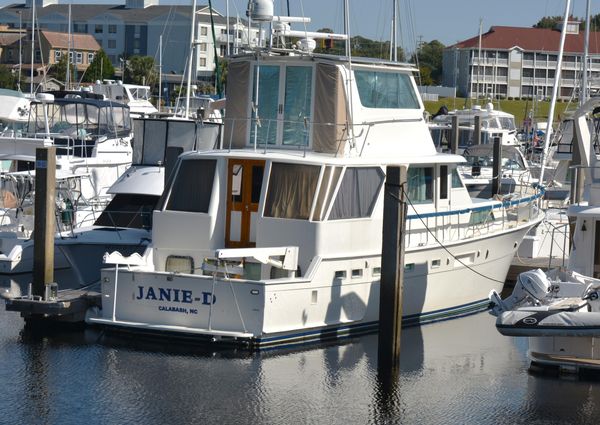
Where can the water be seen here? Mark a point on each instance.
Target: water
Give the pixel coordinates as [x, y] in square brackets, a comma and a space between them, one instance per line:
[456, 372]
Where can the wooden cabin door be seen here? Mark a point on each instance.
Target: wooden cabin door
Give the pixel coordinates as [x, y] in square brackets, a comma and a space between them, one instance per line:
[244, 183]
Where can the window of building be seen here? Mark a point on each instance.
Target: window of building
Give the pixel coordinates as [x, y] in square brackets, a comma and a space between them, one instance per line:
[57, 55]
[358, 193]
[222, 50]
[38, 55]
[202, 62]
[90, 57]
[223, 31]
[112, 44]
[541, 57]
[568, 74]
[502, 55]
[136, 43]
[98, 29]
[79, 57]
[420, 184]
[540, 73]
[112, 58]
[192, 188]
[71, 57]
[528, 56]
[112, 29]
[202, 47]
[385, 90]
[81, 28]
[291, 190]
[568, 58]
[203, 30]
[552, 58]
[528, 72]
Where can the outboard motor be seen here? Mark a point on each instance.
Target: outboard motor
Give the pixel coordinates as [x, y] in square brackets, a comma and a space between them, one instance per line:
[442, 111]
[531, 287]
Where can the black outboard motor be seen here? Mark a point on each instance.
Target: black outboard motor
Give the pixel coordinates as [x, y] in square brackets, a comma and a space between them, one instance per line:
[442, 111]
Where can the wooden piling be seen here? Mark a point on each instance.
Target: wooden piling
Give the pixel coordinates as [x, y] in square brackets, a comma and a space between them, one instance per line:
[392, 271]
[497, 167]
[477, 131]
[577, 174]
[454, 136]
[44, 219]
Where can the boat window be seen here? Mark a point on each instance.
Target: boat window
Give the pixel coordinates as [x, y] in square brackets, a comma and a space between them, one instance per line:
[291, 190]
[329, 181]
[264, 129]
[192, 186]
[443, 182]
[507, 123]
[385, 90]
[297, 105]
[358, 193]
[456, 182]
[128, 210]
[420, 185]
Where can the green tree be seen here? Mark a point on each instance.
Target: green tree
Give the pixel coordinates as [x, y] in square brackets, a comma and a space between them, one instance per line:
[7, 78]
[548, 22]
[59, 70]
[361, 46]
[430, 57]
[101, 68]
[425, 76]
[140, 70]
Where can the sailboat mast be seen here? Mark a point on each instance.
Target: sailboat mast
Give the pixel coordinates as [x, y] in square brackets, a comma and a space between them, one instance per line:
[189, 70]
[395, 31]
[479, 57]
[159, 72]
[32, 46]
[583, 96]
[554, 91]
[68, 76]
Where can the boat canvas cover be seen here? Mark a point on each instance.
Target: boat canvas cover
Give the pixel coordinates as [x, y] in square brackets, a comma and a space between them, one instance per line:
[330, 125]
[238, 97]
[530, 322]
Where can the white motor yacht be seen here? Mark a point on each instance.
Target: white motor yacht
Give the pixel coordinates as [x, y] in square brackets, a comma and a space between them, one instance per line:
[276, 239]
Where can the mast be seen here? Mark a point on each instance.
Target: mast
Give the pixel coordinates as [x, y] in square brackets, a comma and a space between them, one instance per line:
[394, 55]
[159, 71]
[68, 76]
[20, 49]
[227, 26]
[563, 34]
[189, 71]
[347, 28]
[212, 27]
[479, 58]
[583, 96]
[32, 46]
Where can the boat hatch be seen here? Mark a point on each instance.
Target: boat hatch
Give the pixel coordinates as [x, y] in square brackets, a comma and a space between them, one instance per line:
[243, 195]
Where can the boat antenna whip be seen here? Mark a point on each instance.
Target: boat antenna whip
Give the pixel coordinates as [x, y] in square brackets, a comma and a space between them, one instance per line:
[218, 87]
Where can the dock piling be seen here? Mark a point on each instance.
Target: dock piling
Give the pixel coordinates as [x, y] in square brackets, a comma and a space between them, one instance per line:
[497, 167]
[392, 271]
[454, 135]
[477, 130]
[43, 232]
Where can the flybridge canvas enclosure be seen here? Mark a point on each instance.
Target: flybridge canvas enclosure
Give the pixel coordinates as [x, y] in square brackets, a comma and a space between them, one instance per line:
[289, 109]
[238, 97]
[330, 129]
[162, 141]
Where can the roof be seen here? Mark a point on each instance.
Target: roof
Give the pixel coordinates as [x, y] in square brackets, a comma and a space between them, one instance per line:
[9, 38]
[530, 39]
[78, 41]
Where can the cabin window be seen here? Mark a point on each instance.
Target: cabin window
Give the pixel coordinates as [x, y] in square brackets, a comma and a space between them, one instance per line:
[192, 188]
[456, 182]
[420, 185]
[128, 210]
[283, 112]
[358, 193]
[291, 190]
[329, 181]
[443, 182]
[385, 90]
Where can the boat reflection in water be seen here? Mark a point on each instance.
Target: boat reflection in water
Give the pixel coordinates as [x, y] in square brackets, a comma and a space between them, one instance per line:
[459, 371]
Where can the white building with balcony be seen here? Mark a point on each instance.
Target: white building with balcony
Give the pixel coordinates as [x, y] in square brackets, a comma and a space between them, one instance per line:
[520, 62]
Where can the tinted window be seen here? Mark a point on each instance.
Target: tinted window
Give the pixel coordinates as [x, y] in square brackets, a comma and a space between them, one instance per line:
[127, 210]
[192, 187]
[357, 194]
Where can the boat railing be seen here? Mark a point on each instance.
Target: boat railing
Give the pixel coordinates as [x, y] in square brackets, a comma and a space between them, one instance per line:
[563, 230]
[433, 228]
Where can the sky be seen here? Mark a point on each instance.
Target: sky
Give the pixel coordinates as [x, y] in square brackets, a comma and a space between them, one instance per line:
[448, 21]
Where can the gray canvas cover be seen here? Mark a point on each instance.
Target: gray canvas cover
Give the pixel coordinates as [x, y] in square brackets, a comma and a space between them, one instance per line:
[236, 117]
[548, 323]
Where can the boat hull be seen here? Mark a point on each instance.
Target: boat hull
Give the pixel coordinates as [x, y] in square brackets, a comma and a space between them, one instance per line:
[288, 311]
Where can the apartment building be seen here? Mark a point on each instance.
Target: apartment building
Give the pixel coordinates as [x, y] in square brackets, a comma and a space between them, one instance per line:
[520, 63]
[135, 28]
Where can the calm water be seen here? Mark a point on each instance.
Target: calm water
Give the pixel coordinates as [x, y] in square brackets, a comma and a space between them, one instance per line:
[456, 372]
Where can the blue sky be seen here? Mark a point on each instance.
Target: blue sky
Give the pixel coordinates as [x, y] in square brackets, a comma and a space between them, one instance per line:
[448, 21]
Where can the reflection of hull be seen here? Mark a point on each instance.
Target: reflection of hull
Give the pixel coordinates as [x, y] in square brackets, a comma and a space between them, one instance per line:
[268, 313]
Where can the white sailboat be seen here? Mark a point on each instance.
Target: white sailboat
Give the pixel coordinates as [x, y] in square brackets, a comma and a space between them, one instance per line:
[277, 238]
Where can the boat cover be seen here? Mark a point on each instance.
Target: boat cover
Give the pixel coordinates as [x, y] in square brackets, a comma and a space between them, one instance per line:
[528, 322]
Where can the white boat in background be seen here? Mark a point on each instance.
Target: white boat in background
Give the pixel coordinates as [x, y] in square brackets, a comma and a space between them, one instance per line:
[276, 239]
[494, 124]
[135, 96]
[125, 223]
[559, 311]
[93, 147]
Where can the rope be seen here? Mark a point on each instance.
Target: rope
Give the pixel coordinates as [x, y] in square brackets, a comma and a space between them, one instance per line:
[436, 239]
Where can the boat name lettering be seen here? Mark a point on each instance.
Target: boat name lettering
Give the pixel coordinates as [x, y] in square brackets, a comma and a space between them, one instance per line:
[176, 295]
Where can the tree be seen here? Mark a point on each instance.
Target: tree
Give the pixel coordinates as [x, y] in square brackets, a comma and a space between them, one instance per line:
[361, 46]
[59, 69]
[7, 78]
[140, 70]
[101, 68]
[425, 76]
[430, 57]
[548, 22]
